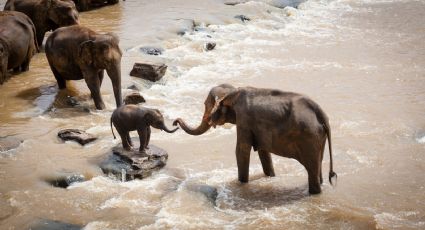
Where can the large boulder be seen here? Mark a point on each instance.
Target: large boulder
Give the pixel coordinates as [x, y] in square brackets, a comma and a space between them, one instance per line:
[77, 135]
[129, 165]
[147, 71]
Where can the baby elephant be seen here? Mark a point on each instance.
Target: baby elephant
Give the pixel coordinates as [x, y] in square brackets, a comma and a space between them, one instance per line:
[128, 118]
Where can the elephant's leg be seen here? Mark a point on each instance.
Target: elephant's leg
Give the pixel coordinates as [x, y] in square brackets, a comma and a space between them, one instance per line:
[100, 74]
[311, 159]
[25, 66]
[93, 83]
[123, 134]
[266, 162]
[59, 79]
[17, 69]
[142, 137]
[243, 151]
[129, 139]
[148, 137]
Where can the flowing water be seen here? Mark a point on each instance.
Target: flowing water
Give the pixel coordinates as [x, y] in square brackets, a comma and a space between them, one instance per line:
[363, 61]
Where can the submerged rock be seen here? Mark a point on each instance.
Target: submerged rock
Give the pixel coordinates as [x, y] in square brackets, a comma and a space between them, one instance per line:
[210, 46]
[208, 191]
[64, 180]
[46, 224]
[130, 165]
[133, 87]
[134, 98]
[9, 143]
[243, 18]
[152, 50]
[151, 72]
[76, 135]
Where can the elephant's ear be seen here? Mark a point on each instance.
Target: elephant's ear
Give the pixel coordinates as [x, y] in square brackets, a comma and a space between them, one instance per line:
[228, 100]
[85, 51]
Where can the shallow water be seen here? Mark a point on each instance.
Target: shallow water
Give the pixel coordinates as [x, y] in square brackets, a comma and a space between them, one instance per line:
[362, 61]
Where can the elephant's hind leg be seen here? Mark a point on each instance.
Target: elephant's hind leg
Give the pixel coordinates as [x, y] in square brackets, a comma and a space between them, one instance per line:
[123, 134]
[266, 162]
[312, 163]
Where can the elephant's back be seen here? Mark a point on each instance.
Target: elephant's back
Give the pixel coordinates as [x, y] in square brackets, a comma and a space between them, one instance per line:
[68, 36]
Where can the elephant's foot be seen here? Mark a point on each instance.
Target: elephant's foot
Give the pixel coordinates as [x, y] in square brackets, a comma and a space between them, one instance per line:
[314, 190]
[127, 148]
[100, 106]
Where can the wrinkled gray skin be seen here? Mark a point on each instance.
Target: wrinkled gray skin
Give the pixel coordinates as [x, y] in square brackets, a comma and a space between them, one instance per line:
[132, 117]
[17, 42]
[84, 5]
[46, 15]
[76, 52]
[270, 121]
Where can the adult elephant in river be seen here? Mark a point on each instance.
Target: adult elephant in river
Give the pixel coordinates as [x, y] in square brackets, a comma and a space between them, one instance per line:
[84, 5]
[270, 121]
[76, 52]
[17, 42]
[46, 14]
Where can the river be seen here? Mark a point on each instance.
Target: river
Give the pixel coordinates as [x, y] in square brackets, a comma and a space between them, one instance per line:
[363, 61]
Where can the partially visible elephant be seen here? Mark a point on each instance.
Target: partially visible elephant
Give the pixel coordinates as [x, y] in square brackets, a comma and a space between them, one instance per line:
[46, 14]
[132, 117]
[270, 121]
[84, 5]
[76, 52]
[17, 42]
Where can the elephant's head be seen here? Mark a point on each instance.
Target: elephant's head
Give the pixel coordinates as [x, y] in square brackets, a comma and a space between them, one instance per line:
[213, 115]
[103, 52]
[4, 56]
[155, 119]
[61, 13]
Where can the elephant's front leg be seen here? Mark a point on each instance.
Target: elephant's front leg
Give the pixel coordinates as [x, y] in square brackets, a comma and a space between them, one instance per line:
[266, 162]
[92, 79]
[148, 137]
[142, 131]
[243, 151]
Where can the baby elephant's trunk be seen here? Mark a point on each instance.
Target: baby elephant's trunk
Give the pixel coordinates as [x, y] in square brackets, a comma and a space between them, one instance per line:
[169, 131]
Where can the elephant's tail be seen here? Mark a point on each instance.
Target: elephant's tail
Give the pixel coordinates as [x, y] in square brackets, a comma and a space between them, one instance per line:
[112, 129]
[331, 171]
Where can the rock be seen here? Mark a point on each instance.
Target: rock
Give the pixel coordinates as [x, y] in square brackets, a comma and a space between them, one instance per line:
[130, 165]
[64, 180]
[71, 101]
[134, 98]
[77, 135]
[151, 72]
[152, 50]
[210, 45]
[8, 143]
[243, 18]
[133, 87]
[234, 2]
[45, 224]
[209, 191]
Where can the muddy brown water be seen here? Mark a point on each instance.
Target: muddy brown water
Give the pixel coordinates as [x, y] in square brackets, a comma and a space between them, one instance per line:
[362, 61]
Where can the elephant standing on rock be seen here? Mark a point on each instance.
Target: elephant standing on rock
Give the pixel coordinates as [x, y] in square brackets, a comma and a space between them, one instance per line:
[76, 52]
[17, 42]
[132, 117]
[46, 14]
[270, 121]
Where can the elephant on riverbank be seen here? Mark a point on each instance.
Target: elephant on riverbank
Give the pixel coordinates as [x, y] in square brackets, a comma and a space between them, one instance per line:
[17, 42]
[76, 52]
[84, 5]
[132, 117]
[270, 121]
[46, 15]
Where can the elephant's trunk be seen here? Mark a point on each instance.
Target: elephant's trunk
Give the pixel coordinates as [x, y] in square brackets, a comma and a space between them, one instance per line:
[201, 129]
[168, 130]
[114, 72]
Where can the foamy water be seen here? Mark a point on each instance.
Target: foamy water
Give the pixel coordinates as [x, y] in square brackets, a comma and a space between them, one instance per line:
[360, 60]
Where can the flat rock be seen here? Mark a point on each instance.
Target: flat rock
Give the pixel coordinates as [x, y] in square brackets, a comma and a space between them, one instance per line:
[46, 224]
[130, 165]
[76, 135]
[147, 71]
[134, 98]
[9, 143]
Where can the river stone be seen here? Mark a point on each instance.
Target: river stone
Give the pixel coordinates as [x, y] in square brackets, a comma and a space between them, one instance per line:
[151, 50]
[208, 191]
[210, 46]
[46, 224]
[9, 143]
[133, 164]
[243, 18]
[64, 180]
[77, 135]
[147, 71]
[134, 98]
